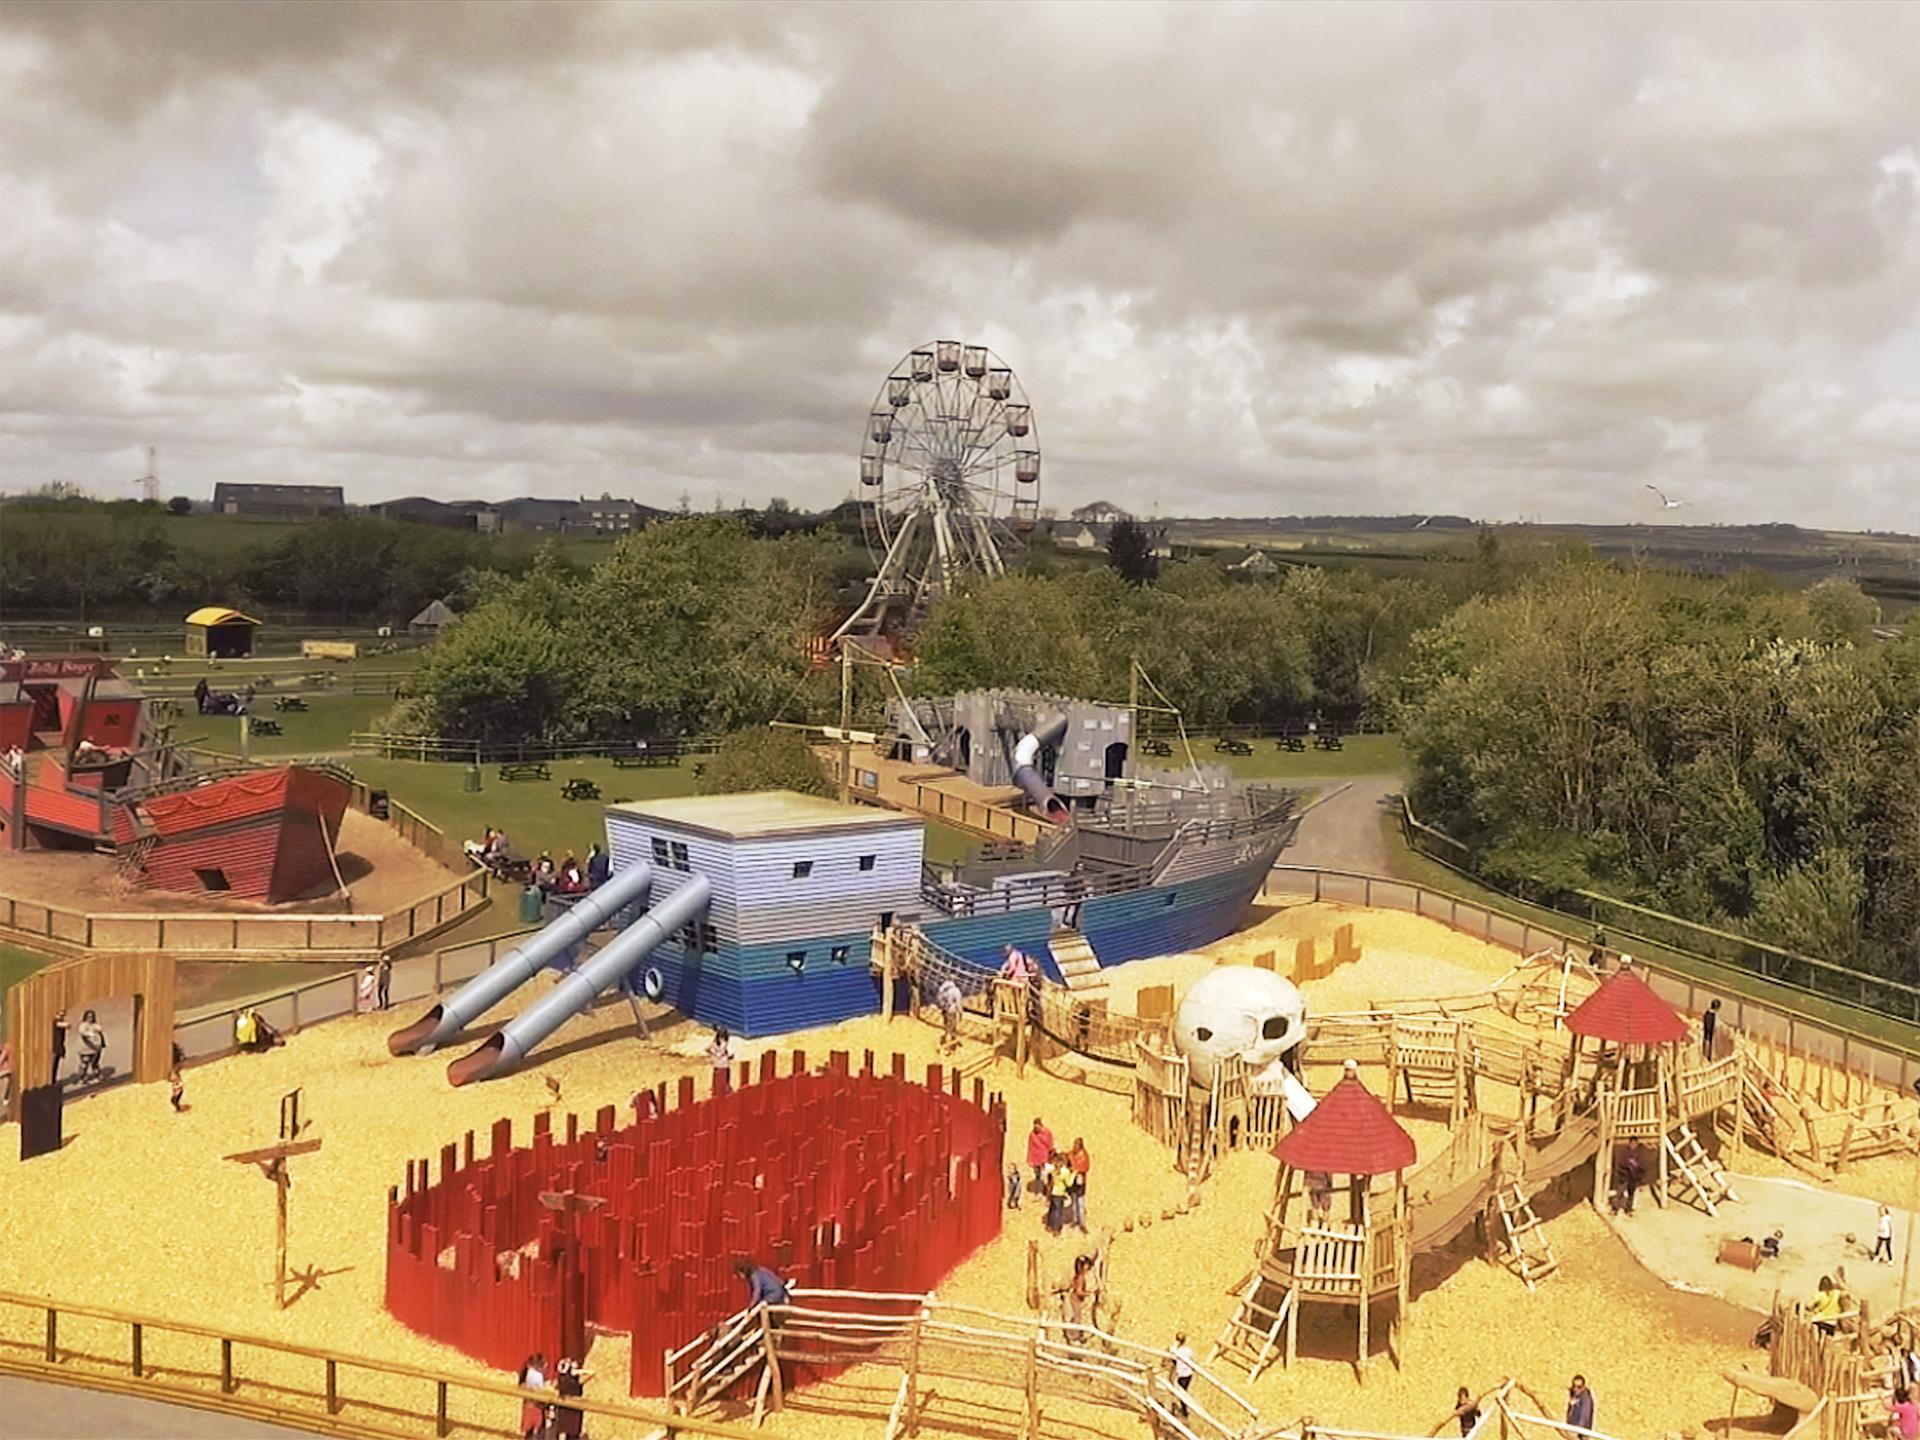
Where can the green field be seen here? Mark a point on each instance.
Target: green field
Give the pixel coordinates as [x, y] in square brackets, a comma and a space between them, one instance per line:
[1358, 755]
[322, 729]
[16, 964]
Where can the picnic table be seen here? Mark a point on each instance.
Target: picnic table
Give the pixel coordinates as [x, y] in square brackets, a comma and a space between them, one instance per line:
[263, 726]
[1156, 747]
[1229, 746]
[289, 702]
[580, 788]
[1295, 743]
[645, 754]
[526, 770]
[1327, 740]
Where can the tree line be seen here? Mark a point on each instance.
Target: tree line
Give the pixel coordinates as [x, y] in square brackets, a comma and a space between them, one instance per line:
[1724, 749]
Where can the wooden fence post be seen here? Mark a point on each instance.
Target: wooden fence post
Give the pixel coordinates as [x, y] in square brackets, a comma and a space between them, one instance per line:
[913, 1373]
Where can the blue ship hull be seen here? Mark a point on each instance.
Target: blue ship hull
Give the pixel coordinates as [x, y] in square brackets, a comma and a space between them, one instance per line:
[1204, 894]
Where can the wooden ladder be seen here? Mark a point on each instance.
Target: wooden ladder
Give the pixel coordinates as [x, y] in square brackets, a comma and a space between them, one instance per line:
[1697, 1171]
[1079, 966]
[1252, 1335]
[1529, 1255]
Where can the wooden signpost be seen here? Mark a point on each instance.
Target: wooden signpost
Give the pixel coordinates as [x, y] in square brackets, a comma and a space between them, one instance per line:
[272, 1161]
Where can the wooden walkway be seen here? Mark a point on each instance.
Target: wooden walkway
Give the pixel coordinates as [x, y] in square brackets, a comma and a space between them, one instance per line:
[993, 813]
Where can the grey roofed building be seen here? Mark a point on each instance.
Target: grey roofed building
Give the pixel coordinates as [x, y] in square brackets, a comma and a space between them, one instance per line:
[281, 502]
[433, 619]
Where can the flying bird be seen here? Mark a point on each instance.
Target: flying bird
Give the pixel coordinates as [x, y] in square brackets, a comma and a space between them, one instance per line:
[1665, 503]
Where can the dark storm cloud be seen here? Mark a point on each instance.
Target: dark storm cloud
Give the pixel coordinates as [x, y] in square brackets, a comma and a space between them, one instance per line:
[1491, 259]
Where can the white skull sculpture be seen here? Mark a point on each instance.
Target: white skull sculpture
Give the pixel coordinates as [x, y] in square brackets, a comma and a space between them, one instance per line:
[1239, 1010]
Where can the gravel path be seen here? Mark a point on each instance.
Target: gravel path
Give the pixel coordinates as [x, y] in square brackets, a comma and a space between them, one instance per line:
[1343, 832]
[59, 1412]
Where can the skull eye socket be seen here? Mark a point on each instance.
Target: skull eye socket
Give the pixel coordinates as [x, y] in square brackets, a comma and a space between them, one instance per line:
[1202, 1034]
[1275, 1027]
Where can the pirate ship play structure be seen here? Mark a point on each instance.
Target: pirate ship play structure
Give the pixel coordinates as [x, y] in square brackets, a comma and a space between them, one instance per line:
[758, 911]
[85, 765]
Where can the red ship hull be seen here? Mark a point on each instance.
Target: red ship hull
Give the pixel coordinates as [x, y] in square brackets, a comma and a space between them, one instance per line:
[267, 836]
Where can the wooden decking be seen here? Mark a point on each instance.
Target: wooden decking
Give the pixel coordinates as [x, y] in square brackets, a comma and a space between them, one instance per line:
[939, 794]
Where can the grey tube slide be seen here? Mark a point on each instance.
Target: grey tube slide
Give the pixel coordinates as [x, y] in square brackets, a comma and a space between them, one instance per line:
[519, 965]
[1026, 770]
[504, 1049]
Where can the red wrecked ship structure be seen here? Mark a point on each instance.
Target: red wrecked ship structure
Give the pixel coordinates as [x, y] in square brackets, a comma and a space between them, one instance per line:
[837, 1179]
[84, 766]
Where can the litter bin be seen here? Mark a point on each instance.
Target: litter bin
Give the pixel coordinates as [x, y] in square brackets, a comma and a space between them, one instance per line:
[532, 905]
[377, 805]
[471, 780]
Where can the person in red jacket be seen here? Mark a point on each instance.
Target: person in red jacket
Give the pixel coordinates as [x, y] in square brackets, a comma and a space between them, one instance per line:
[1039, 1150]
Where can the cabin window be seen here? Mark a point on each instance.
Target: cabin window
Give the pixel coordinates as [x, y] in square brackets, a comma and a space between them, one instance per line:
[796, 961]
[1168, 901]
[866, 861]
[660, 851]
[679, 850]
[842, 954]
[802, 869]
[212, 879]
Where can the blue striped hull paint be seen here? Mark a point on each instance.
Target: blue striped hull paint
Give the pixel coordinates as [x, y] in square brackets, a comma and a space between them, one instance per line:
[753, 991]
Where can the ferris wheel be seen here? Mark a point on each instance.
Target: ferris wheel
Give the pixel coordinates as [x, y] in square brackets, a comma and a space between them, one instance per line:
[949, 472]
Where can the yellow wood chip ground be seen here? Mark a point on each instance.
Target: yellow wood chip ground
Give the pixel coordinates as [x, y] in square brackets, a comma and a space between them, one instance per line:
[140, 1212]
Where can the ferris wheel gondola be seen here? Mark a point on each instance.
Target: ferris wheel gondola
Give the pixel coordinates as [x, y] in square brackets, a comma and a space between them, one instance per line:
[949, 476]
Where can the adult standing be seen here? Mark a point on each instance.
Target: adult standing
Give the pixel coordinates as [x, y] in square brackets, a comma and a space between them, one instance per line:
[93, 1046]
[1883, 1237]
[950, 1001]
[1079, 1161]
[383, 983]
[1059, 1187]
[1580, 1404]
[598, 866]
[1709, 1026]
[59, 1043]
[1039, 1151]
[1183, 1368]
[569, 1382]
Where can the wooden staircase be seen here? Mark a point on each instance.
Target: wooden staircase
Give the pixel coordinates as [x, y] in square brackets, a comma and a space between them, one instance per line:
[1693, 1174]
[1079, 966]
[1528, 1254]
[1252, 1335]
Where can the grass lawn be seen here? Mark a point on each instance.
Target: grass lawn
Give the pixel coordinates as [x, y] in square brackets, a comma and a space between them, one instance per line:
[1359, 755]
[1404, 863]
[16, 964]
[320, 730]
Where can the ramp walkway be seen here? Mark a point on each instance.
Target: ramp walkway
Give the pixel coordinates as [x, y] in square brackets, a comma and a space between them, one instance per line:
[991, 812]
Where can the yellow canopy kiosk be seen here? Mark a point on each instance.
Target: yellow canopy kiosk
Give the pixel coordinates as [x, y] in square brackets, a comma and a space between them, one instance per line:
[217, 633]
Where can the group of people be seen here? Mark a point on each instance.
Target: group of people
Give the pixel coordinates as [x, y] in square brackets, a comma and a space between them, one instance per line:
[374, 989]
[540, 1420]
[93, 1047]
[569, 877]
[1580, 1406]
[1060, 1177]
[253, 1032]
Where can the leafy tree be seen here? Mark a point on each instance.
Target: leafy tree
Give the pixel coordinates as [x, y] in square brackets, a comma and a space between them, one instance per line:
[1130, 553]
[762, 758]
[179, 505]
[502, 673]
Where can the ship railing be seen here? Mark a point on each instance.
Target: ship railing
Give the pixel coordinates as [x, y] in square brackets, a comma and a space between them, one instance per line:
[956, 897]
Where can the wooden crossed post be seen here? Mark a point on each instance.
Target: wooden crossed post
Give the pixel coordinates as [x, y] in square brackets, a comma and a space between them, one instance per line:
[272, 1161]
[573, 1324]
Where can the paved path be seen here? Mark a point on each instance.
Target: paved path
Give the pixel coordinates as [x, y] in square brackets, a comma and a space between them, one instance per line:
[64, 1412]
[1343, 833]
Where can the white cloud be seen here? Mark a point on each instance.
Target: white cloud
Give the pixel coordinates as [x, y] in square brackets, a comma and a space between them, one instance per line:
[1486, 259]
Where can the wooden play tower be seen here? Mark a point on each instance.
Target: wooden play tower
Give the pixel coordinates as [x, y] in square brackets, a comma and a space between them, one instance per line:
[1338, 1231]
[1651, 1085]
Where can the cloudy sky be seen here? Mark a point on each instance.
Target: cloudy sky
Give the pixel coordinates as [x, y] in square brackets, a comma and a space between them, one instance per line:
[1504, 260]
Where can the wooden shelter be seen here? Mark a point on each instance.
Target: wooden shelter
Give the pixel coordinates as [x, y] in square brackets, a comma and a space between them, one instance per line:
[1338, 1232]
[216, 633]
[1645, 1090]
[73, 985]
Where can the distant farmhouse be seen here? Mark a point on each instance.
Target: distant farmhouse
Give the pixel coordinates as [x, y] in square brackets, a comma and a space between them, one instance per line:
[278, 502]
[459, 515]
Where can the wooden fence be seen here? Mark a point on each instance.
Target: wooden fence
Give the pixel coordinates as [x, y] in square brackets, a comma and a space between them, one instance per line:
[182, 1363]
